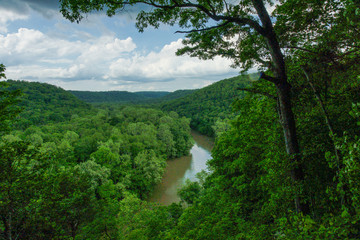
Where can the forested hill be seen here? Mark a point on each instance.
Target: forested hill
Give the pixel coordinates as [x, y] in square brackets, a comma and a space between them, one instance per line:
[177, 94]
[203, 106]
[207, 105]
[79, 169]
[125, 97]
[43, 103]
[117, 96]
[152, 94]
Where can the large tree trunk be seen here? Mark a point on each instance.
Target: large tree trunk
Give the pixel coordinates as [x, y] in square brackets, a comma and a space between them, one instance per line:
[284, 98]
[291, 140]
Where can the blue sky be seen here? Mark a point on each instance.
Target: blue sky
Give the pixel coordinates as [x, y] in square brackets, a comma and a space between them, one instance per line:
[99, 54]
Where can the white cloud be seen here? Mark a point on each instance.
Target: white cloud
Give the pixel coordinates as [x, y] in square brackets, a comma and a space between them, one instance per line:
[165, 64]
[9, 16]
[102, 63]
[30, 53]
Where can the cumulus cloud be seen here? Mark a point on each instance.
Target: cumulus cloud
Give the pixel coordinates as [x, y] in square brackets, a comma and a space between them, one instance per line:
[163, 65]
[31, 53]
[106, 60]
[29, 44]
[92, 57]
[8, 16]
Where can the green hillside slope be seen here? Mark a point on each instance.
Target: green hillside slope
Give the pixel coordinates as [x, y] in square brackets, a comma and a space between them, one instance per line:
[152, 94]
[205, 106]
[124, 97]
[43, 103]
[108, 97]
[177, 94]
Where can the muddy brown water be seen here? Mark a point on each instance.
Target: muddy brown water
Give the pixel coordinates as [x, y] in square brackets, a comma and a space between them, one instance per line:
[180, 169]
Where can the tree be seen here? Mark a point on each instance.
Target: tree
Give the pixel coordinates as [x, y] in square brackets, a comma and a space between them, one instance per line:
[219, 28]
[2, 71]
[8, 101]
[19, 184]
[148, 171]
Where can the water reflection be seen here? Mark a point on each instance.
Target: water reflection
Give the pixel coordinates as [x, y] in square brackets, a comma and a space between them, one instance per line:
[180, 169]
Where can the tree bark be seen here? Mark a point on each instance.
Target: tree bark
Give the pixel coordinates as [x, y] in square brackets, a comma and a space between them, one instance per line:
[285, 107]
[291, 140]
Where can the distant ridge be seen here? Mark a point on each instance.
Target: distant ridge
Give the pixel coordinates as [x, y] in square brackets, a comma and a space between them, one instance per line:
[177, 94]
[129, 97]
[203, 106]
[207, 105]
[152, 94]
[117, 96]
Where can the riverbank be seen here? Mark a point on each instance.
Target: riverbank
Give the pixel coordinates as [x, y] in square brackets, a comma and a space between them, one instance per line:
[180, 169]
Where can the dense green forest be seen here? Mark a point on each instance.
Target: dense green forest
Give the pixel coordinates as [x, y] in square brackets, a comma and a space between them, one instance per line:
[70, 176]
[118, 96]
[206, 107]
[175, 95]
[210, 104]
[124, 97]
[286, 162]
[89, 176]
[42, 103]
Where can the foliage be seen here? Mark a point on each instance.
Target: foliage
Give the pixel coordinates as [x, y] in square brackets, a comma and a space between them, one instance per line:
[66, 179]
[117, 96]
[176, 94]
[210, 104]
[19, 180]
[43, 103]
[8, 101]
[2, 71]
[87, 176]
[189, 192]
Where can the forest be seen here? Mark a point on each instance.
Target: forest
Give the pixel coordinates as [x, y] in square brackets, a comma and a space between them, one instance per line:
[210, 105]
[63, 172]
[286, 161]
[118, 96]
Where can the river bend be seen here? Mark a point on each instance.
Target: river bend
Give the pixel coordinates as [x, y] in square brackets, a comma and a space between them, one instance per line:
[180, 169]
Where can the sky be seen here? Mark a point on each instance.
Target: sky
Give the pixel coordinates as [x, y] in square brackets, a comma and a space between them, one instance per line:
[100, 54]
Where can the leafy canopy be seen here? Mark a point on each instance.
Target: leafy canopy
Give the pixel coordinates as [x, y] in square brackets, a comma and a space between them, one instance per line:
[8, 101]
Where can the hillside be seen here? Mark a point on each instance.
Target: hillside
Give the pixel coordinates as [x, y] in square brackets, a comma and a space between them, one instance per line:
[205, 106]
[72, 169]
[43, 103]
[152, 94]
[124, 97]
[121, 96]
[109, 96]
[176, 94]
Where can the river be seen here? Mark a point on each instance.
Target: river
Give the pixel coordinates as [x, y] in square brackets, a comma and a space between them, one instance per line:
[180, 169]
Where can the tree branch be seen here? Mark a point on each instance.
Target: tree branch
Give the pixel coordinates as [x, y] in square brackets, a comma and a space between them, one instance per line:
[300, 48]
[226, 6]
[204, 29]
[269, 78]
[240, 21]
[327, 120]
